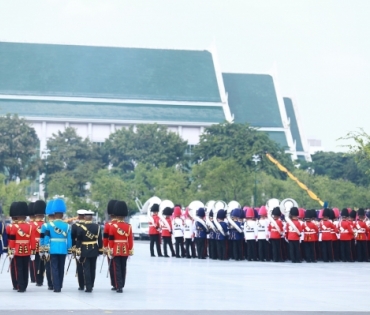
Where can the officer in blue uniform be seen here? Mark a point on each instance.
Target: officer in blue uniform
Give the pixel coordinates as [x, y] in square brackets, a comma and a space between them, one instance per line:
[44, 245]
[201, 234]
[58, 236]
[222, 237]
[3, 239]
[212, 247]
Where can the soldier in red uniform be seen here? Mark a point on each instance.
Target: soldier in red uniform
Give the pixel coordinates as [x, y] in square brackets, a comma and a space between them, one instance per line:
[346, 233]
[121, 244]
[361, 239]
[276, 229]
[326, 228]
[31, 215]
[22, 246]
[39, 215]
[167, 232]
[293, 235]
[12, 214]
[110, 208]
[154, 231]
[310, 230]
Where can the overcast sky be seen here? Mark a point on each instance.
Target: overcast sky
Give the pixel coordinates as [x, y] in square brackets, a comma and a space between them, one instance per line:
[321, 48]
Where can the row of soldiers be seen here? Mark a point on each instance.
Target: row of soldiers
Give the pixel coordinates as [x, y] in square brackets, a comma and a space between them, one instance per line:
[308, 236]
[35, 247]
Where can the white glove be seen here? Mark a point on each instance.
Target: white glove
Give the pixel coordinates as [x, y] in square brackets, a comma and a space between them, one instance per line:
[41, 254]
[78, 257]
[46, 254]
[286, 240]
[32, 257]
[11, 254]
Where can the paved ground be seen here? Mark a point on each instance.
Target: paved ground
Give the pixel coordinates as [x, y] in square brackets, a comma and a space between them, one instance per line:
[155, 284]
[161, 312]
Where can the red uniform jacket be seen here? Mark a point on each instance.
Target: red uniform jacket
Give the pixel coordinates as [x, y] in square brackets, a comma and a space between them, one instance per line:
[165, 231]
[291, 235]
[310, 230]
[106, 234]
[154, 228]
[345, 230]
[326, 229]
[274, 233]
[21, 238]
[120, 239]
[334, 236]
[362, 230]
[36, 228]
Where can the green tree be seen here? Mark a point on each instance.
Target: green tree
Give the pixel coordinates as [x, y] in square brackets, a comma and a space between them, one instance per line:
[13, 191]
[150, 144]
[241, 142]
[75, 157]
[19, 149]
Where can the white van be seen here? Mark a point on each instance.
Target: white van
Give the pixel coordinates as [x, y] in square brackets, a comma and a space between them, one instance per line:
[140, 226]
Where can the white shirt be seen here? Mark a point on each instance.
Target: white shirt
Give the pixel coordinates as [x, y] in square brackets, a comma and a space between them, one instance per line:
[261, 229]
[188, 228]
[249, 230]
[178, 227]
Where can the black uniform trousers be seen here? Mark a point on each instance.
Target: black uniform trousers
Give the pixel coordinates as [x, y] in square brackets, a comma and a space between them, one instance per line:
[327, 251]
[309, 251]
[89, 271]
[336, 250]
[155, 239]
[80, 274]
[179, 245]
[13, 274]
[48, 273]
[353, 250]
[21, 271]
[212, 248]
[294, 251]
[221, 249]
[263, 250]
[345, 251]
[40, 269]
[361, 248]
[237, 249]
[119, 269]
[251, 250]
[167, 241]
[189, 246]
[276, 249]
[57, 262]
[33, 270]
[201, 244]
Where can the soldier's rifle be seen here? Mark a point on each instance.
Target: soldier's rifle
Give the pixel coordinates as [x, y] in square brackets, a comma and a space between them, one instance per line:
[110, 262]
[2, 268]
[70, 260]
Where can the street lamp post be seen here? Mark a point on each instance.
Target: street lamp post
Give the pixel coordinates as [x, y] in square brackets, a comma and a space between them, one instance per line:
[255, 158]
[45, 155]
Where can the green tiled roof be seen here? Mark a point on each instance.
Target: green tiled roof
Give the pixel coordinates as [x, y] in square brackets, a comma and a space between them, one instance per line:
[279, 137]
[252, 99]
[293, 123]
[113, 111]
[107, 72]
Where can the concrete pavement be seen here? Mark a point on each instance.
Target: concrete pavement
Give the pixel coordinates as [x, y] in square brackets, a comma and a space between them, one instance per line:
[155, 284]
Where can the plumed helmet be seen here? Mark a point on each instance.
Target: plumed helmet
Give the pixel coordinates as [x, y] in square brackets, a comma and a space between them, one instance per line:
[336, 212]
[177, 212]
[262, 211]
[31, 211]
[120, 209]
[59, 206]
[167, 211]
[301, 213]
[344, 212]
[202, 213]
[249, 213]
[155, 208]
[49, 208]
[110, 206]
[353, 214]
[12, 209]
[294, 212]
[211, 214]
[39, 207]
[276, 211]
[21, 209]
[321, 212]
[221, 214]
[326, 213]
[361, 212]
[245, 208]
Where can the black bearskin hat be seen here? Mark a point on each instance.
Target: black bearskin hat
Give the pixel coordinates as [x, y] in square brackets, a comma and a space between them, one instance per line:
[31, 210]
[201, 212]
[308, 214]
[276, 211]
[12, 211]
[39, 207]
[353, 214]
[294, 212]
[167, 211]
[326, 213]
[344, 212]
[155, 208]
[361, 212]
[21, 210]
[110, 207]
[120, 209]
[332, 215]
